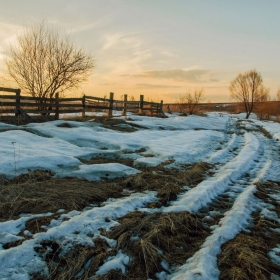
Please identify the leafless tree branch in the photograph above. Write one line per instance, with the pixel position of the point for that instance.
(248, 88)
(192, 99)
(44, 62)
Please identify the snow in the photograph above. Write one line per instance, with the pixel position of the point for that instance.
(203, 265)
(88, 222)
(117, 262)
(241, 159)
(59, 149)
(271, 127)
(95, 172)
(209, 189)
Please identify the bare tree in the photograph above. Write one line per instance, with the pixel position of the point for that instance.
(248, 88)
(278, 95)
(44, 62)
(191, 100)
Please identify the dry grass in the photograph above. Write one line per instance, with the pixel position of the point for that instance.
(149, 239)
(172, 237)
(69, 265)
(108, 122)
(263, 192)
(246, 256)
(167, 182)
(265, 132)
(102, 160)
(37, 192)
(239, 125)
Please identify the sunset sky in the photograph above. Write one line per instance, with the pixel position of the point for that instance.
(160, 48)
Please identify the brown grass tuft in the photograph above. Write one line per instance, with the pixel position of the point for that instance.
(37, 194)
(246, 256)
(149, 239)
(167, 182)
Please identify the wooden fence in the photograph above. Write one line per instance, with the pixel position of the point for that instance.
(15, 103)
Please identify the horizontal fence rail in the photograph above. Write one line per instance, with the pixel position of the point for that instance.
(15, 103)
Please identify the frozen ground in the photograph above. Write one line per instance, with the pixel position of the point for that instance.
(242, 155)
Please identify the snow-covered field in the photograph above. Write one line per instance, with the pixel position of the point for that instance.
(240, 153)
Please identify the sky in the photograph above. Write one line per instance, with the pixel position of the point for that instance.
(161, 49)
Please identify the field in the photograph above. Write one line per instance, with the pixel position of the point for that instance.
(137, 197)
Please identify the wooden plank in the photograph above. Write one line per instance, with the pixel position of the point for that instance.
(8, 104)
(97, 104)
(97, 98)
(56, 110)
(70, 99)
(124, 105)
(68, 105)
(132, 102)
(7, 111)
(26, 104)
(70, 111)
(96, 107)
(118, 108)
(23, 112)
(36, 98)
(132, 107)
(8, 97)
(39, 111)
(110, 111)
(8, 89)
(151, 103)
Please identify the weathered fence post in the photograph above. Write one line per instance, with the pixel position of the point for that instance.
(124, 105)
(168, 109)
(160, 106)
(110, 113)
(84, 105)
(151, 109)
(141, 104)
(56, 106)
(17, 102)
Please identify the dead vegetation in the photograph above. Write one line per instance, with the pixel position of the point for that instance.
(265, 132)
(167, 182)
(246, 256)
(146, 239)
(38, 192)
(102, 160)
(109, 122)
(151, 239)
(261, 129)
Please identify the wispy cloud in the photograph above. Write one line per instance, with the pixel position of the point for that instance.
(195, 75)
(122, 52)
(7, 36)
(85, 27)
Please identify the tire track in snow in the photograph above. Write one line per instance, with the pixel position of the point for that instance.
(203, 264)
(209, 189)
(226, 154)
(233, 145)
